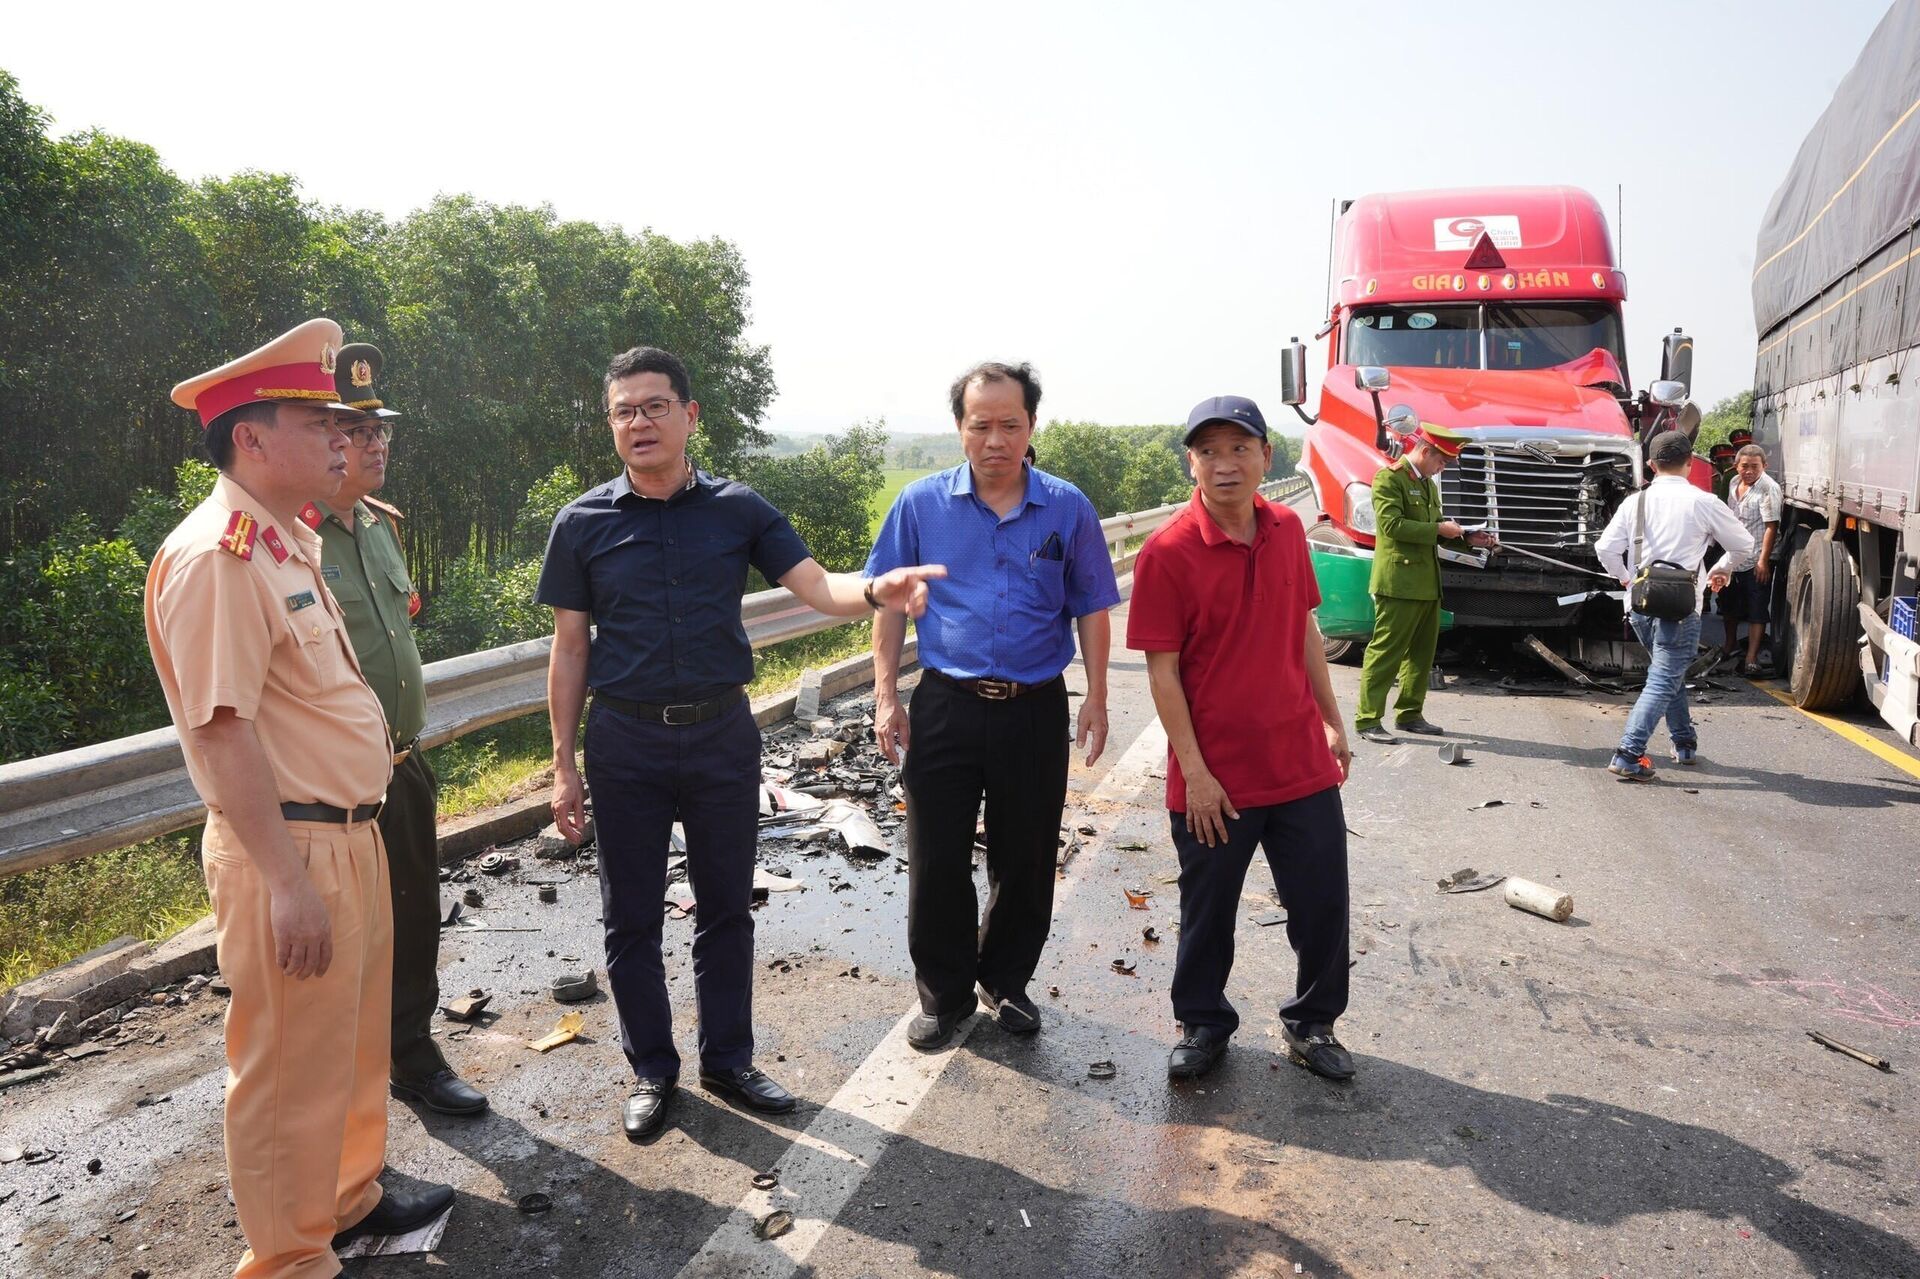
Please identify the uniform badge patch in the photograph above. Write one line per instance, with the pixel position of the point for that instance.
(237, 541)
(303, 600)
(271, 536)
(330, 571)
(367, 519)
(310, 516)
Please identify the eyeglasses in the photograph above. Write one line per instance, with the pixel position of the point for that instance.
(364, 436)
(652, 410)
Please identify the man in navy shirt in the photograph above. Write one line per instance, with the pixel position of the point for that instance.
(1027, 562)
(655, 562)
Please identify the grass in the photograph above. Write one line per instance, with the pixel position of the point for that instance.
(897, 479)
(154, 889)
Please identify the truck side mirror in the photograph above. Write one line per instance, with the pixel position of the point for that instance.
(1667, 393)
(1676, 360)
(1402, 420)
(1293, 373)
(1372, 378)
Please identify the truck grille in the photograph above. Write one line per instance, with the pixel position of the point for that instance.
(1557, 506)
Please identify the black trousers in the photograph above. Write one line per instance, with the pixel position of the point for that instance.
(408, 826)
(644, 777)
(1013, 754)
(1306, 845)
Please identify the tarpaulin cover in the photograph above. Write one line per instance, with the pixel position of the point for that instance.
(1854, 186)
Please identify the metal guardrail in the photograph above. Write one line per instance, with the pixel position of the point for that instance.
(59, 808)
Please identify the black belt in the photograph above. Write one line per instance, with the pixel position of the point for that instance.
(329, 814)
(679, 715)
(994, 690)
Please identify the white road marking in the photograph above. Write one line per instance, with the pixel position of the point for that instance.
(827, 1162)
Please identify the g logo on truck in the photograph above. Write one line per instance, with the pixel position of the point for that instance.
(1466, 228)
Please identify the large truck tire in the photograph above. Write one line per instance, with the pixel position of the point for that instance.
(1822, 624)
(1348, 651)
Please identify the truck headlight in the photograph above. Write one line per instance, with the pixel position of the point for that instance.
(1360, 507)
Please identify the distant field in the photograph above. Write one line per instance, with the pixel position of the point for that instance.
(897, 479)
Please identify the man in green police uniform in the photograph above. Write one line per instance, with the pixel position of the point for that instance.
(362, 563)
(1409, 526)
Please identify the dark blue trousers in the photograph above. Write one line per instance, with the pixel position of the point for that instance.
(643, 778)
(1306, 845)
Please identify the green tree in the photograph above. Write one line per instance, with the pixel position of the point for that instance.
(828, 491)
(1732, 412)
(1156, 475)
(1091, 457)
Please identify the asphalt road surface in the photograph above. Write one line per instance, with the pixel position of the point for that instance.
(1631, 1092)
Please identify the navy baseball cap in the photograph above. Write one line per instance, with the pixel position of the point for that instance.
(1237, 409)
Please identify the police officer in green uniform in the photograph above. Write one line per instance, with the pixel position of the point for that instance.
(1408, 527)
(365, 569)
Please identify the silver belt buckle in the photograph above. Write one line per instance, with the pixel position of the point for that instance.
(669, 715)
(994, 690)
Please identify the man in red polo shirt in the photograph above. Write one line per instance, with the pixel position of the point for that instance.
(1223, 600)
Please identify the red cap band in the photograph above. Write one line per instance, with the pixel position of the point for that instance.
(304, 381)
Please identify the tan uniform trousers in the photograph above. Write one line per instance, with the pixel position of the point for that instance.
(306, 1130)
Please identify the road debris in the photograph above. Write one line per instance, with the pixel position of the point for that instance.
(1053, 991)
(1268, 918)
(26, 1076)
(1533, 645)
(535, 1203)
(1538, 899)
(1137, 898)
(468, 1006)
(572, 988)
(1453, 753)
(773, 1225)
(473, 898)
(1101, 1070)
(1026, 1220)
(564, 1031)
(1468, 880)
(1150, 934)
(765, 1180)
(1131, 846)
(1486, 803)
(1865, 1058)
(549, 894)
(1124, 967)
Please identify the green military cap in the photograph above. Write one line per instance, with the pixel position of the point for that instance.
(1445, 439)
(355, 368)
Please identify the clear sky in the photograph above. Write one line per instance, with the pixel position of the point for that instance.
(1133, 196)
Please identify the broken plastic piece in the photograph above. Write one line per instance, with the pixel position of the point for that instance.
(1101, 1070)
(1137, 897)
(571, 988)
(564, 1031)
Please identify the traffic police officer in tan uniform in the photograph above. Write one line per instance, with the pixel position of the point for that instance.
(1409, 527)
(366, 570)
(289, 749)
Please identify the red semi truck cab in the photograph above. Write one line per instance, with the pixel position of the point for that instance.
(1496, 312)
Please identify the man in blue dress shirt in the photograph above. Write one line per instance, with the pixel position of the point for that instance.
(1026, 563)
(655, 563)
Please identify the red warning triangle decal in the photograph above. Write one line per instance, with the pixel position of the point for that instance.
(1484, 256)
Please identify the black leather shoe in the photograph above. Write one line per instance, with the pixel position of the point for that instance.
(1419, 725)
(646, 1110)
(1198, 1051)
(1378, 735)
(444, 1093)
(398, 1212)
(1014, 1014)
(750, 1088)
(1315, 1048)
(927, 1032)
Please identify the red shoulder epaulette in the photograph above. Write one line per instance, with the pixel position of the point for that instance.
(271, 536)
(237, 541)
(311, 517)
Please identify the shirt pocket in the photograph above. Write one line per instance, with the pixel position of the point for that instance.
(316, 664)
(1046, 584)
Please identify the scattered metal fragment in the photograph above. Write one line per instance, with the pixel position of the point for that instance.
(535, 1203)
(1137, 897)
(1533, 645)
(549, 894)
(1026, 1220)
(497, 863)
(11, 1154)
(41, 1156)
(1468, 880)
(473, 898)
(571, 988)
(1150, 933)
(1123, 966)
(1865, 1058)
(1054, 991)
(765, 1180)
(773, 1225)
(1267, 919)
(1084, 830)
(1453, 753)
(1486, 803)
(564, 1031)
(1131, 846)
(1101, 1070)
(467, 1006)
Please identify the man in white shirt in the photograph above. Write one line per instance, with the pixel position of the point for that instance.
(1755, 500)
(1681, 520)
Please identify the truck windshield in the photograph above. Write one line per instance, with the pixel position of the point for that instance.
(1530, 335)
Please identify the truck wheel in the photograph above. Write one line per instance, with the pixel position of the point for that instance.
(1337, 650)
(1823, 599)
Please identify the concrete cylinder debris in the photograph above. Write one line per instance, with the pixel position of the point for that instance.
(1538, 899)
